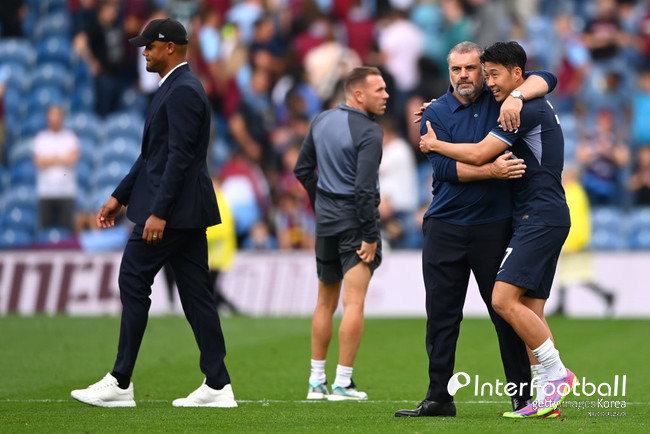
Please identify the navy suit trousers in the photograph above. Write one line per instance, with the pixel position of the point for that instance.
(449, 253)
(186, 252)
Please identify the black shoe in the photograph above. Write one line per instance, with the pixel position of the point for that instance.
(430, 408)
(518, 403)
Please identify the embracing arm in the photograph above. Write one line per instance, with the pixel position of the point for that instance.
(476, 154)
(536, 85)
(504, 167)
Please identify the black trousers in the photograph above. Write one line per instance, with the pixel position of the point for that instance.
(449, 253)
(186, 252)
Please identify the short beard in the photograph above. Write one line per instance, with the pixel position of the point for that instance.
(466, 93)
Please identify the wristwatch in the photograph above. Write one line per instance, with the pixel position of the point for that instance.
(517, 94)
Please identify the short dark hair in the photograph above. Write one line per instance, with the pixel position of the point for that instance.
(359, 74)
(464, 48)
(509, 54)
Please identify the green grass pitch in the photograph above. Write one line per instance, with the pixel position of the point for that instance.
(43, 358)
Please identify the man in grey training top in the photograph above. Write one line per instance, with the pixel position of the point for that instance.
(339, 166)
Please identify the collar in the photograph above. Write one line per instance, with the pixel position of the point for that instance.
(162, 80)
(455, 105)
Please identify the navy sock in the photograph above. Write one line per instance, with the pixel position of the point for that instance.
(214, 384)
(123, 381)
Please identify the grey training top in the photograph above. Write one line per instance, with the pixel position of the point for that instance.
(339, 166)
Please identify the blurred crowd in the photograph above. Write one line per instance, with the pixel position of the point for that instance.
(269, 67)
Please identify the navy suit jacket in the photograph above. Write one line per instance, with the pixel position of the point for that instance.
(170, 178)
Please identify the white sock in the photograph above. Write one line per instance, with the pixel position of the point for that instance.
(550, 358)
(317, 374)
(539, 378)
(343, 375)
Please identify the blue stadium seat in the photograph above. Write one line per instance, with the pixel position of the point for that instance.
(33, 123)
(54, 6)
(54, 235)
(14, 111)
(23, 173)
(640, 239)
(22, 195)
(134, 102)
(84, 201)
(87, 150)
(606, 216)
(124, 124)
(55, 49)
(42, 97)
(121, 149)
(99, 195)
(608, 229)
(20, 218)
(55, 23)
(51, 75)
(639, 221)
(86, 125)
(83, 99)
(640, 217)
(17, 50)
(15, 76)
(11, 238)
(21, 151)
(84, 173)
(110, 175)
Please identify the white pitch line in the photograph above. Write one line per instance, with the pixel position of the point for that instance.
(281, 401)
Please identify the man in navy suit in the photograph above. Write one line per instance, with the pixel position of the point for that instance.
(171, 200)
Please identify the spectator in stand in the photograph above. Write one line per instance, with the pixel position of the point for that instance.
(643, 34)
(603, 157)
(244, 13)
(254, 120)
(293, 218)
(260, 237)
(640, 107)
(397, 175)
(458, 26)
(84, 14)
(492, 18)
(101, 45)
(359, 27)
(570, 61)
(56, 153)
(401, 43)
(12, 14)
(267, 40)
(609, 74)
(327, 64)
(639, 183)
(427, 15)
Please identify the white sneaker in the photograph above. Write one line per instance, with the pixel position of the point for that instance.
(317, 391)
(105, 393)
(340, 393)
(206, 396)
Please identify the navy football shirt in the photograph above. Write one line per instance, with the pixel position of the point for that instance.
(538, 196)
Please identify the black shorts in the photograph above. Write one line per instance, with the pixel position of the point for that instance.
(337, 254)
(531, 258)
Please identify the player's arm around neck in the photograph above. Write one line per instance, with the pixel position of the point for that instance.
(533, 87)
